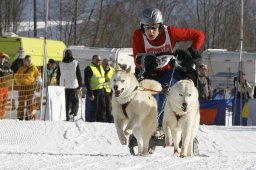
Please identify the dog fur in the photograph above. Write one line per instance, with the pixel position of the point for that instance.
(181, 117)
(141, 109)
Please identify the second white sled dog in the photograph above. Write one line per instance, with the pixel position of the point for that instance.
(134, 108)
(181, 117)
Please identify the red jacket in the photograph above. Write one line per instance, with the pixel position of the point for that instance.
(176, 35)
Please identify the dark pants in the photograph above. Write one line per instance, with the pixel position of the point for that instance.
(98, 106)
(109, 117)
(164, 80)
(72, 102)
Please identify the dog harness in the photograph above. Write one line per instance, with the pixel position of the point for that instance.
(126, 104)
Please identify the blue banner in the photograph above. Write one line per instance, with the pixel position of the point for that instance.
(238, 109)
(212, 112)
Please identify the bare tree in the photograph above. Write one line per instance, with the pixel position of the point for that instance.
(35, 18)
(110, 23)
(60, 19)
(75, 21)
(10, 15)
(98, 23)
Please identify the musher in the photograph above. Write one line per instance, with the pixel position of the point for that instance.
(153, 37)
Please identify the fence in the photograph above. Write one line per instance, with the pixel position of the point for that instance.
(23, 102)
(18, 101)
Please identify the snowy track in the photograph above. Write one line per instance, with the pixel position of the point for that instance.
(81, 145)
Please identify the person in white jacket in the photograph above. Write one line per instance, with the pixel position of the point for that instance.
(69, 76)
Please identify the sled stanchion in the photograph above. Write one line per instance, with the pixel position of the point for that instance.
(154, 141)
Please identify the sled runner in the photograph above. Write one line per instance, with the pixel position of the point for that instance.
(157, 141)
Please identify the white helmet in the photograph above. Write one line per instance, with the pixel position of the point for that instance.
(151, 16)
(20, 54)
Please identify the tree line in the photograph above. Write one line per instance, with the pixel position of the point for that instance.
(110, 23)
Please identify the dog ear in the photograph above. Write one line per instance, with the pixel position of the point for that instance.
(128, 70)
(118, 68)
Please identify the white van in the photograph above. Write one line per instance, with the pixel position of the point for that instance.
(223, 66)
(122, 56)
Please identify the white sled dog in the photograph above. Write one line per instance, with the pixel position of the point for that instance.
(134, 108)
(181, 117)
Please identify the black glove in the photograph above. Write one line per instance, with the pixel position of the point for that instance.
(184, 57)
(150, 60)
(181, 54)
(150, 63)
(172, 63)
(195, 54)
(138, 59)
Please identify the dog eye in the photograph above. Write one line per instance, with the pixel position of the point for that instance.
(189, 95)
(180, 95)
(122, 81)
(114, 80)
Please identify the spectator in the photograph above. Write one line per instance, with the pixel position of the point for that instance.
(4, 72)
(25, 79)
(69, 76)
(51, 72)
(18, 60)
(204, 83)
(4, 65)
(109, 71)
(153, 37)
(94, 78)
(242, 86)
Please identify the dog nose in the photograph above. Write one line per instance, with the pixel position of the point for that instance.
(115, 87)
(184, 104)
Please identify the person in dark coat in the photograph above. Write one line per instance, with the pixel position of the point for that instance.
(94, 79)
(18, 60)
(109, 72)
(204, 83)
(242, 86)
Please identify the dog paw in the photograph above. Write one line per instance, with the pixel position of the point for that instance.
(144, 154)
(176, 152)
(123, 140)
(128, 132)
(168, 143)
(183, 155)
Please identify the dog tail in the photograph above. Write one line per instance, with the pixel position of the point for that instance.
(151, 85)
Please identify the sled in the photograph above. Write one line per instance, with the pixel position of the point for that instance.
(157, 141)
(185, 65)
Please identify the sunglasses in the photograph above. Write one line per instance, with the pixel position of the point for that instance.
(151, 27)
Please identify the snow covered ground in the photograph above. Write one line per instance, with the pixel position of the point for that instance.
(83, 145)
